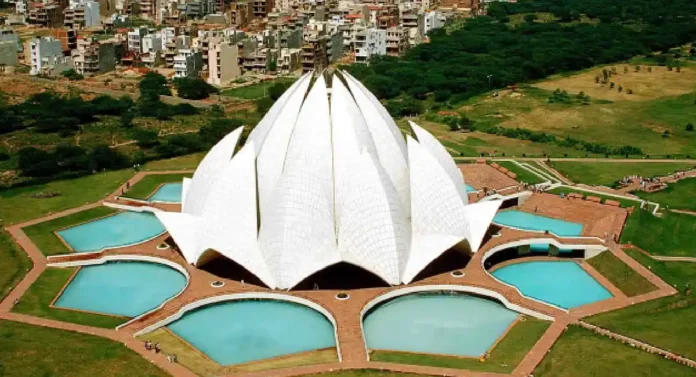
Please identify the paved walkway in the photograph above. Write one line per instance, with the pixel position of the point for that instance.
(347, 313)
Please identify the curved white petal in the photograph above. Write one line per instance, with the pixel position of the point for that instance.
(425, 249)
(478, 218)
(373, 230)
(185, 185)
(184, 229)
(433, 146)
(207, 171)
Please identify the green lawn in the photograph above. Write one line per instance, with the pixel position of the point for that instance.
(37, 300)
(680, 195)
(510, 351)
(43, 236)
(671, 235)
(33, 351)
(625, 203)
(255, 91)
(147, 186)
(523, 175)
(665, 322)
(15, 264)
(621, 275)
(582, 353)
(607, 173)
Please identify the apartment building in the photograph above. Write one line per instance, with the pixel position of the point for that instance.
(46, 57)
(83, 15)
(289, 61)
(67, 38)
(135, 38)
(261, 8)
(433, 20)
(240, 13)
(187, 63)
(92, 58)
(48, 16)
(397, 41)
(8, 53)
(367, 42)
(223, 66)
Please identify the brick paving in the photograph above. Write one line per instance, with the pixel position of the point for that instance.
(479, 176)
(596, 217)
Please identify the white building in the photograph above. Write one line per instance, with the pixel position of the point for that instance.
(168, 35)
(367, 42)
(21, 7)
(135, 38)
(151, 44)
(44, 52)
(329, 181)
(187, 63)
(433, 20)
(223, 65)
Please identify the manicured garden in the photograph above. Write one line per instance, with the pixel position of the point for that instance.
(43, 236)
(523, 175)
(665, 322)
(671, 235)
(42, 352)
(149, 184)
(582, 353)
(37, 301)
(15, 264)
(607, 173)
(621, 275)
(679, 195)
(503, 358)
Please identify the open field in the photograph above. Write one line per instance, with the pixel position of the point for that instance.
(43, 236)
(582, 353)
(200, 364)
(523, 175)
(623, 277)
(509, 351)
(15, 264)
(663, 322)
(147, 186)
(671, 235)
(255, 91)
(38, 299)
(607, 173)
(39, 351)
(680, 195)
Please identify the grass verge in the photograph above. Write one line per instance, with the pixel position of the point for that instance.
(523, 175)
(195, 361)
(665, 322)
(37, 300)
(606, 173)
(680, 195)
(580, 352)
(43, 236)
(255, 91)
(40, 351)
(625, 203)
(621, 275)
(367, 373)
(147, 186)
(15, 264)
(671, 235)
(509, 352)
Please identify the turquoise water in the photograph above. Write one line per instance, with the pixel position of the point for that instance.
(121, 229)
(456, 324)
(241, 331)
(469, 188)
(564, 284)
(167, 193)
(530, 221)
(122, 288)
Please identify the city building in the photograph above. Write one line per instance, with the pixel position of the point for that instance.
(48, 16)
(92, 58)
(223, 63)
(8, 53)
(261, 8)
(67, 38)
(187, 63)
(46, 56)
(83, 15)
(397, 41)
(135, 38)
(367, 42)
(433, 20)
(320, 202)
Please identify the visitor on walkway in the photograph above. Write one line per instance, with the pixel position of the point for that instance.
(174, 358)
(157, 348)
(148, 345)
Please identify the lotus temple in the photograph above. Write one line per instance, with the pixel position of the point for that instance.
(329, 237)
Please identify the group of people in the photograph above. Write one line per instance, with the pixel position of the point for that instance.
(171, 358)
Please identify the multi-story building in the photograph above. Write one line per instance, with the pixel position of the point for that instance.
(83, 15)
(433, 20)
(397, 41)
(48, 16)
(67, 38)
(8, 35)
(172, 49)
(289, 60)
(21, 6)
(46, 56)
(8, 53)
(367, 42)
(151, 44)
(223, 66)
(187, 63)
(135, 38)
(321, 46)
(240, 13)
(470, 6)
(199, 8)
(92, 58)
(261, 8)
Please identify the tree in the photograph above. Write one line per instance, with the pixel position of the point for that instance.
(103, 157)
(34, 162)
(529, 18)
(72, 75)
(689, 127)
(153, 85)
(218, 128)
(70, 158)
(418, 92)
(193, 88)
(126, 120)
(442, 95)
(276, 90)
(145, 138)
(263, 105)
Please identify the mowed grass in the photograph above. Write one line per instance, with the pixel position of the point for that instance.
(195, 361)
(367, 373)
(625, 203)
(509, 351)
(607, 173)
(18, 204)
(37, 301)
(523, 175)
(679, 195)
(582, 353)
(670, 235)
(621, 275)
(43, 236)
(15, 264)
(149, 184)
(257, 90)
(667, 322)
(33, 351)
